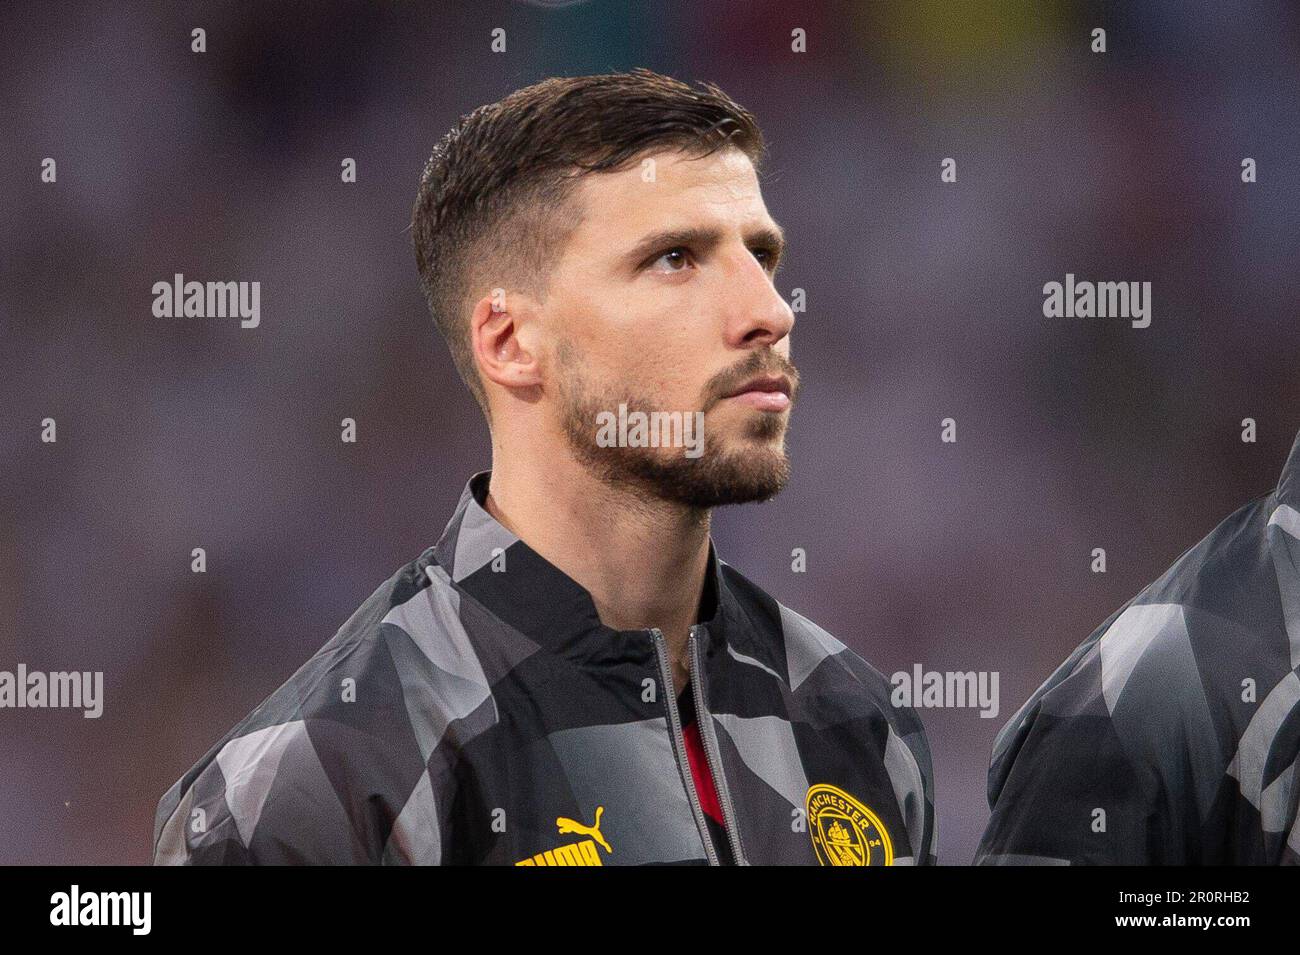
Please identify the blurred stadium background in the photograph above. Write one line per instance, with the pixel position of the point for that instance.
(924, 301)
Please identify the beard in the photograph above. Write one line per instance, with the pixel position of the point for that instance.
(716, 477)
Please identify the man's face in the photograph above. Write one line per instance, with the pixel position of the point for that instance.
(663, 301)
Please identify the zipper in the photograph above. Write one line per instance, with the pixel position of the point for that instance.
(712, 754)
(679, 744)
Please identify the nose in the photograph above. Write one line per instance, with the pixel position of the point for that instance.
(758, 314)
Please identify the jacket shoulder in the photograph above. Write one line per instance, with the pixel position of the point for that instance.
(1149, 710)
(1161, 667)
(331, 766)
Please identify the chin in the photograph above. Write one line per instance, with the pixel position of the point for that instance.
(735, 476)
(740, 459)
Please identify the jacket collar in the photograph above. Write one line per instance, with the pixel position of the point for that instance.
(518, 586)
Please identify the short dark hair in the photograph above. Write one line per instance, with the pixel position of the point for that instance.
(493, 194)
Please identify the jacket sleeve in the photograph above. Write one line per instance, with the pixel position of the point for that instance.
(908, 757)
(1065, 793)
(1115, 759)
(261, 798)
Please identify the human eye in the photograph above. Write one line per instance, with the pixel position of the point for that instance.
(767, 256)
(676, 259)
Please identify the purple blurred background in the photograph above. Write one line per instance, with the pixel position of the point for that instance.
(924, 302)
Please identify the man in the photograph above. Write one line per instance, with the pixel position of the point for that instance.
(1171, 735)
(571, 675)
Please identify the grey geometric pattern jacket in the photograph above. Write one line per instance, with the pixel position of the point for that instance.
(1171, 736)
(475, 711)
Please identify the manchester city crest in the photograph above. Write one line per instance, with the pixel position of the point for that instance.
(844, 831)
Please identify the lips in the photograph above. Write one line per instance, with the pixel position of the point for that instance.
(766, 393)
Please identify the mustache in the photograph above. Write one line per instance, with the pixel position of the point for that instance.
(758, 363)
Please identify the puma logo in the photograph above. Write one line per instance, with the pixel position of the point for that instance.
(583, 852)
(567, 825)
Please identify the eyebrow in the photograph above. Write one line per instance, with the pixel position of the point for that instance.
(703, 239)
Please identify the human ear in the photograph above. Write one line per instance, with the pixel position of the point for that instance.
(503, 338)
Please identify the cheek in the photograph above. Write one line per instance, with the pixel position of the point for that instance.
(654, 344)
(649, 372)
(649, 369)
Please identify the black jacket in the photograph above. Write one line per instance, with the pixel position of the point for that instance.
(475, 710)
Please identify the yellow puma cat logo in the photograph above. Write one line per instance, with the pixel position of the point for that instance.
(574, 853)
(567, 825)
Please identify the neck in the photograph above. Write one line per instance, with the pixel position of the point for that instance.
(643, 560)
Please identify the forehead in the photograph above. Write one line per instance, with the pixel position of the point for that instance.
(670, 188)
